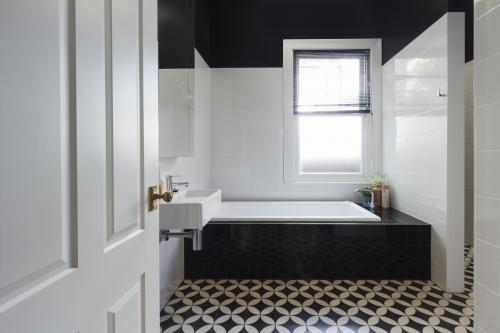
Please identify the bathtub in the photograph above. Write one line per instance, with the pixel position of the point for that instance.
(309, 240)
(293, 212)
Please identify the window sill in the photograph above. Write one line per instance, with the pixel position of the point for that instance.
(327, 182)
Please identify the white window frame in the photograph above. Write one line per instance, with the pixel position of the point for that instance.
(372, 138)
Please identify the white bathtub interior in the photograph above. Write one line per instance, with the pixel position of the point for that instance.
(293, 211)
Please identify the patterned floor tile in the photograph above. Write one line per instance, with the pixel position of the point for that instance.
(320, 306)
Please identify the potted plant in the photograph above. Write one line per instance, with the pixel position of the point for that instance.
(366, 195)
(378, 182)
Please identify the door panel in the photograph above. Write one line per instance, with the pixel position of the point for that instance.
(36, 131)
(126, 315)
(123, 81)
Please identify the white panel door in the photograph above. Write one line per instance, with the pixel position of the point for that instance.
(78, 149)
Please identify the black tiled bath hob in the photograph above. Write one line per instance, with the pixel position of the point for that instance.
(398, 247)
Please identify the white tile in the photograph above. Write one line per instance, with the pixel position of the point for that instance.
(456, 24)
(479, 329)
(487, 173)
(487, 83)
(247, 138)
(486, 308)
(455, 232)
(438, 242)
(436, 142)
(438, 274)
(421, 151)
(469, 215)
(171, 267)
(437, 186)
(486, 29)
(483, 6)
(487, 164)
(194, 169)
(434, 164)
(455, 279)
(487, 219)
(487, 266)
(487, 121)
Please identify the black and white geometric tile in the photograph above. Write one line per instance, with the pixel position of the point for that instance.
(317, 306)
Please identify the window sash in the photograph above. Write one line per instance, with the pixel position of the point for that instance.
(336, 140)
(359, 105)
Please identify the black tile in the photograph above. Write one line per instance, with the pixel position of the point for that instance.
(316, 305)
(297, 251)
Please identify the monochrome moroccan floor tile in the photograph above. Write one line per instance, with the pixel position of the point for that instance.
(317, 306)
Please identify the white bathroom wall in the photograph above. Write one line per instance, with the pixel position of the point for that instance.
(194, 169)
(175, 111)
(469, 154)
(247, 139)
(423, 140)
(487, 165)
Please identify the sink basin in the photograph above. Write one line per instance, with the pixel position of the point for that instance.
(189, 209)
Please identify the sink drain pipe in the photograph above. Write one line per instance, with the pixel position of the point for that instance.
(196, 235)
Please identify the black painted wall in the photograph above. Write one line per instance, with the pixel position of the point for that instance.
(469, 30)
(250, 33)
(202, 28)
(176, 33)
(403, 21)
(182, 26)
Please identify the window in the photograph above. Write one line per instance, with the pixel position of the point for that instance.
(330, 90)
(331, 81)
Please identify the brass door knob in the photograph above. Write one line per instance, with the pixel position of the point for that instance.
(155, 194)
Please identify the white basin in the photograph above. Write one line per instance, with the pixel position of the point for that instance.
(189, 209)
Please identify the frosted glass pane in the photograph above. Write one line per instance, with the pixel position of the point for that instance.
(330, 144)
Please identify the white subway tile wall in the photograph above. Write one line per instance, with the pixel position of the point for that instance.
(195, 169)
(487, 164)
(247, 139)
(469, 153)
(423, 139)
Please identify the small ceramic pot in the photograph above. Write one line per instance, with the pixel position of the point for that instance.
(378, 195)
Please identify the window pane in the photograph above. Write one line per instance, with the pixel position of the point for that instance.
(330, 144)
(331, 81)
